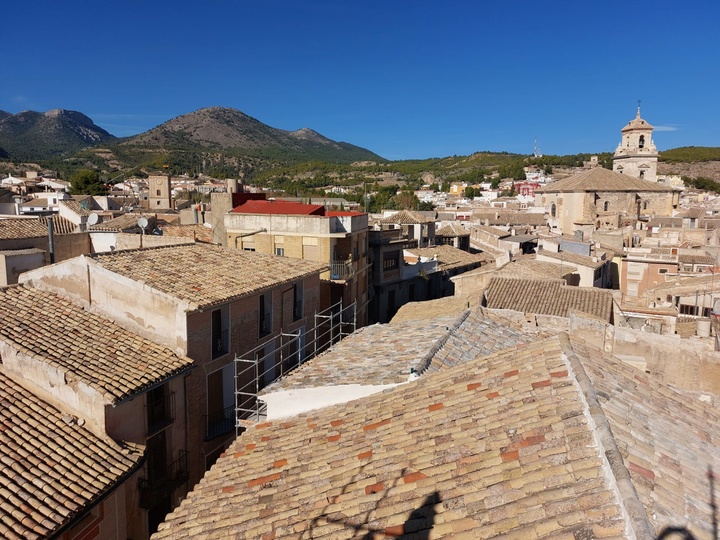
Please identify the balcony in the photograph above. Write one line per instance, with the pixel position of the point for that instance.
(219, 423)
(154, 491)
(342, 270)
(420, 268)
(160, 414)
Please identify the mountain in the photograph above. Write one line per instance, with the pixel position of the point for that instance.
(224, 129)
(31, 135)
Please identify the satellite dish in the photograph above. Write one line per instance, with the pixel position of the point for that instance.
(92, 219)
(142, 222)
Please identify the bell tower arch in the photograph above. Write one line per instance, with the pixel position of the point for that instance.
(636, 155)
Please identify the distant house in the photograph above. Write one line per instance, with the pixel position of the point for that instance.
(548, 297)
(310, 232)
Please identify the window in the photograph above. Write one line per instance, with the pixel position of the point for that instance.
(391, 260)
(280, 251)
(298, 301)
(157, 192)
(265, 314)
(606, 206)
(642, 142)
(220, 402)
(219, 334)
(553, 210)
(662, 271)
(646, 203)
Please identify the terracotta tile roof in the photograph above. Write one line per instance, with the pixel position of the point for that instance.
(371, 356)
(51, 467)
(33, 228)
(407, 217)
(510, 218)
(476, 336)
(577, 259)
(500, 445)
(76, 207)
(428, 310)
(534, 269)
(125, 222)
(279, 207)
(452, 229)
(548, 297)
(61, 225)
(199, 233)
(599, 179)
(692, 258)
(36, 201)
(450, 258)
(113, 361)
(227, 273)
(667, 439)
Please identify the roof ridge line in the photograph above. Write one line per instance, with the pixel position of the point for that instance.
(635, 512)
(428, 358)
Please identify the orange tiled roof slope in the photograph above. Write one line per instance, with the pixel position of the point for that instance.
(227, 273)
(534, 269)
(108, 358)
(548, 297)
(599, 179)
(14, 228)
(476, 336)
(407, 217)
(199, 233)
(667, 440)
(499, 445)
(51, 468)
(450, 258)
(372, 355)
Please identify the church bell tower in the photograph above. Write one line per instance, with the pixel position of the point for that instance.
(636, 155)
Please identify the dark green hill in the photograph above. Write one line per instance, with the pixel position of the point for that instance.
(30, 135)
(218, 129)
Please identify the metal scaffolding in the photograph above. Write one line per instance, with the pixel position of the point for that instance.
(282, 353)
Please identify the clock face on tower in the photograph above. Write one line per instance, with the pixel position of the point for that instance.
(159, 181)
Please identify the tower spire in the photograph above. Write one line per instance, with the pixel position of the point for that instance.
(638, 112)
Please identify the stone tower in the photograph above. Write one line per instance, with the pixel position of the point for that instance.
(636, 155)
(159, 193)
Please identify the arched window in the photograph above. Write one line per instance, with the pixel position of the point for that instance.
(642, 175)
(642, 141)
(606, 206)
(553, 210)
(645, 205)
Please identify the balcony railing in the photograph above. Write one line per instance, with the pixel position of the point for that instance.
(154, 491)
(160, 414)
(341, 270)
(219, 423)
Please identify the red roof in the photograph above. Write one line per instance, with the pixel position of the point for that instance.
(280, 207)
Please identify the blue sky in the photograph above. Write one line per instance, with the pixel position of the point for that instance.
(405, 79)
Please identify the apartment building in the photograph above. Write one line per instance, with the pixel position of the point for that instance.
(209, 304)
(295, 230)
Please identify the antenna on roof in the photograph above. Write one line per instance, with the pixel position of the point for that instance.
(92, 219)
(142, 223)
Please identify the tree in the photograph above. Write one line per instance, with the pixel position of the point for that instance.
(87, 182)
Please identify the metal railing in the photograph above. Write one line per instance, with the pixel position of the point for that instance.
(341, 270)
(154, 491)
(279, 355)
(219, 423)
